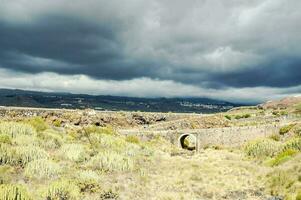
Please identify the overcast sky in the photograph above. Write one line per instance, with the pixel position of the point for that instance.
(236, 50)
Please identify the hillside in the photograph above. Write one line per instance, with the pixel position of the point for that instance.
(113, 103)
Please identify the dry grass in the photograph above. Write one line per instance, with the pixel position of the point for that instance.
(98, 163)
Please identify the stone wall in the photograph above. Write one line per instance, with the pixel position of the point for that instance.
(230, 136)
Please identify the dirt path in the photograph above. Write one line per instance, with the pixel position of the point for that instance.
(212, 174)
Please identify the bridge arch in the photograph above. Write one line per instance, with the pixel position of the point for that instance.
(187, 141)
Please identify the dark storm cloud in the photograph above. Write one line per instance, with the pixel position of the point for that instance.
(211, 44)
(70, 47)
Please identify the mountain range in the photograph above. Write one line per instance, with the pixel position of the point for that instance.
(23, 98)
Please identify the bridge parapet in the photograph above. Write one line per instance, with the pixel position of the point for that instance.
(229, 136)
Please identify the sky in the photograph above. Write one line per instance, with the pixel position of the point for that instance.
(236, 50)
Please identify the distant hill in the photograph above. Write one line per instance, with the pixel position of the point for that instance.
(282, 103)
(23, 98)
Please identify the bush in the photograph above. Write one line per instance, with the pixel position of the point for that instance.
(13, 128)
(88, 181)
(275, 137)
(242, 116)
(297, 131)
(298, 197)
(132, 139)
(228, 117)
(109, 142)
(57, 123)
(38, 123)
(74, 152)
(6, 173)
(285, 129)
(111, 161)
(294, 143)
(25, 140)
(263, 148)
(283, 157)
(51, 139)
(110, 194)
(13, 192)
(42, 169)
(100, 130)
(20, 155)
(279, 181)
(5, 139)
(62, 190)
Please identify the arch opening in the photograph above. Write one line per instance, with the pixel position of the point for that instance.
(188, 142)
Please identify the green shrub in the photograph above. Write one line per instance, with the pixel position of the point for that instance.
(279, 182)
(246, 116)
(285, 129)
(62, 190)
(13, 128)
(263, 148)
(42, 169)
(283, 157)
(242, 116)
(111, 142)
(6, 173)
(38, 123)
(5, 139)
(275, 137)
(13, 192)
(100, 130)
(25, 140)
(228, 117)
(132, 139)
(57, 123)
(50, 139)
(298, 197)
(20, 155)
(88, 181)
(110, 194)
(297, 131)
(74, 152)
(294, 143)
(283, 112)
(238, 117)
(111, 161)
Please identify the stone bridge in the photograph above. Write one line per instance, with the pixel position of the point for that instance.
(229, 136)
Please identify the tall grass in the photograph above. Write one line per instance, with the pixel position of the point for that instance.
(14, 192)
(20, 155)
(62, 190)
(263, 148)
(111, 161)
(13, 129)
(42, 169)
(74, 152)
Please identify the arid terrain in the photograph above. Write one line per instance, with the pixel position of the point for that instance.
(250, 153)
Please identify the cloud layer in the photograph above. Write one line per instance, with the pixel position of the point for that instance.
(195, 46)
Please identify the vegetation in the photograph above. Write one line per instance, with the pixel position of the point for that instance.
(62, 189)
(244, 116)
(13, 192)
(286, 129)
(283, 157)
(263, 148)
(41, 161)
(228, 117)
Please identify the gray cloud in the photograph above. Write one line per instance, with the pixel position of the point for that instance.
(207, 44)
